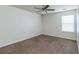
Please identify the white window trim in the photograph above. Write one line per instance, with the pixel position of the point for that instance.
(66, 23)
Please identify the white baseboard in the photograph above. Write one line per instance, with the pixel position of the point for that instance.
(60, 37)
(12, 42)
(16, 41)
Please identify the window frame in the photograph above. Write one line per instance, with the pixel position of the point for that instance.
(66, 23)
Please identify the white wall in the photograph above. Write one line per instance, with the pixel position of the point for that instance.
(17, 25)
(52, 25)
(78, 28)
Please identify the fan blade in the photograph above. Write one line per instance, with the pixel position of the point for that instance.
(36, 8)
(50, 9)
(37, 11)
(44, 8)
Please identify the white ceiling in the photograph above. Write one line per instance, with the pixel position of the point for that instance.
(58, 8)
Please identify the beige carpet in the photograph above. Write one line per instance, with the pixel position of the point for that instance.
(42, 44)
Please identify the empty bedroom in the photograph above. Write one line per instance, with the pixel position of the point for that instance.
(39, 29)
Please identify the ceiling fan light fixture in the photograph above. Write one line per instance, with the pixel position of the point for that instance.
(44, 9)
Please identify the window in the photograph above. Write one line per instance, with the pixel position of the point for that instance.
(68, 23)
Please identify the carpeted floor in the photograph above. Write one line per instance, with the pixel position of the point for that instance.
(42, 44)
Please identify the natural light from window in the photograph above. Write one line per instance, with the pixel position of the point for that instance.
(68, 23)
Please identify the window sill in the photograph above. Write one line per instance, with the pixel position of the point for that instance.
(67, 32)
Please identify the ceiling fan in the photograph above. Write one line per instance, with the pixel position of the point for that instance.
(44, 9)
